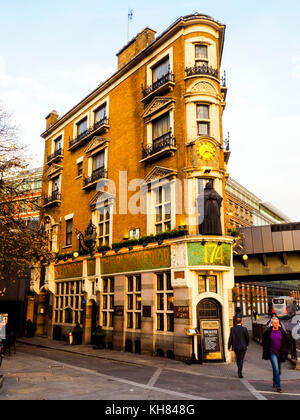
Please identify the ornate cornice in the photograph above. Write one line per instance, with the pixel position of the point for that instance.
(158, 103)
(158, 173)
(96, 142)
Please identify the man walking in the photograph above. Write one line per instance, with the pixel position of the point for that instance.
(239, 341)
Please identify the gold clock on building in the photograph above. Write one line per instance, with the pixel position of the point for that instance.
(206, 151)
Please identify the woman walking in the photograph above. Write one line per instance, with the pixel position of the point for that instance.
(275, 349)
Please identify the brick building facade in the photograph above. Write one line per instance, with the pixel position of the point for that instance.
(133, 158)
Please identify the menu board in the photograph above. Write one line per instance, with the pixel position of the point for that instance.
(211, 340)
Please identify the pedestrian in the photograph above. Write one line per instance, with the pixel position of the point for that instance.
(275, 348)
(270, 324)
(239, 341)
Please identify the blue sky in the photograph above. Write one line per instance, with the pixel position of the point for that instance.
(52, 54)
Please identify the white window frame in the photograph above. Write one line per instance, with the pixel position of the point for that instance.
(149, 127)
(104, 101)
(55, 139)
(109, 311)
(154, 62)
(204, 120)
(151, 204)
(78, 120)
(135, 294)
(96, 217)
(197, 59)
(163, 311)
(91, 156)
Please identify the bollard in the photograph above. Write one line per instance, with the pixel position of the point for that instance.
(70, 338)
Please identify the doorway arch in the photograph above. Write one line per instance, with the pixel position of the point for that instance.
(209, 320)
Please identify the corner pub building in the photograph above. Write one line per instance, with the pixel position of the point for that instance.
(158, 280)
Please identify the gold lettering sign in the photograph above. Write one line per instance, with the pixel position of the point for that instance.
(209, 253)
(68, 271)
(150, 259)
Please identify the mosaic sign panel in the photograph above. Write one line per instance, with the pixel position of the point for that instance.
(68, 271)
(209, 253)
(91, 267)
(150, 259)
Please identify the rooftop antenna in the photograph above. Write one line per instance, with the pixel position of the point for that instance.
(130, 18)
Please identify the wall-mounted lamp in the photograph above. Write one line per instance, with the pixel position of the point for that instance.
(75, 255)
(245, 257)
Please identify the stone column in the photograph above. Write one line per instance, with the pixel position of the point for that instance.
(87, 325)
(148, 315)
(41, 315)
(119, 315)
(30, 308)
(266, 300)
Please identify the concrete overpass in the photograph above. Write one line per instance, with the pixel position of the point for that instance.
(273, 253)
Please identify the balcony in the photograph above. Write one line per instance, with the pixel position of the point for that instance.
(202, 70)
(161, 146)
(83, 138)
(52, 200)
(55, 157)
(162, 85)
(91, 181)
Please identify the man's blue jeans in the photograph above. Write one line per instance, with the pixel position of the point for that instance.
(276, 365)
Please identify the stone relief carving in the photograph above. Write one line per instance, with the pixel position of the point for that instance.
(204, 87)
(35, 280)
(178, 255)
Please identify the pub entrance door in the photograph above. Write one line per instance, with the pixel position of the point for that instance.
(209, 314)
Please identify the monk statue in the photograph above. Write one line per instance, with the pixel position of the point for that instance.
(212, 211)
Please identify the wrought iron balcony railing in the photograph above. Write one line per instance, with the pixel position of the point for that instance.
(100, 123)
(83, 137)
(97, 174)
(169, 77)
(206, 70)
(56, 154)
(54, 197)
(165, 142)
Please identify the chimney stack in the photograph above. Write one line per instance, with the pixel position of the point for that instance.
(51, 119)
(135, 46)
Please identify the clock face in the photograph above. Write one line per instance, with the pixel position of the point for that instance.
(206, 151)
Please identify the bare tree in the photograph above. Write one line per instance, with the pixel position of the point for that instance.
(22, 243)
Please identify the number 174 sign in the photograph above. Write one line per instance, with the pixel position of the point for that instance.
(209, 253)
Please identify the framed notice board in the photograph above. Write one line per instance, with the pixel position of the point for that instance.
(212, 345)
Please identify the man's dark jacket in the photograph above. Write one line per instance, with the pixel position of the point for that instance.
(266, 342)
(239, 338)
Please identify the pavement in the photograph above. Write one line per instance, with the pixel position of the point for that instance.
(47, 369)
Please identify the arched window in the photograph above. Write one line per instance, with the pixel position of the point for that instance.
(208, 309)
(68, 316)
